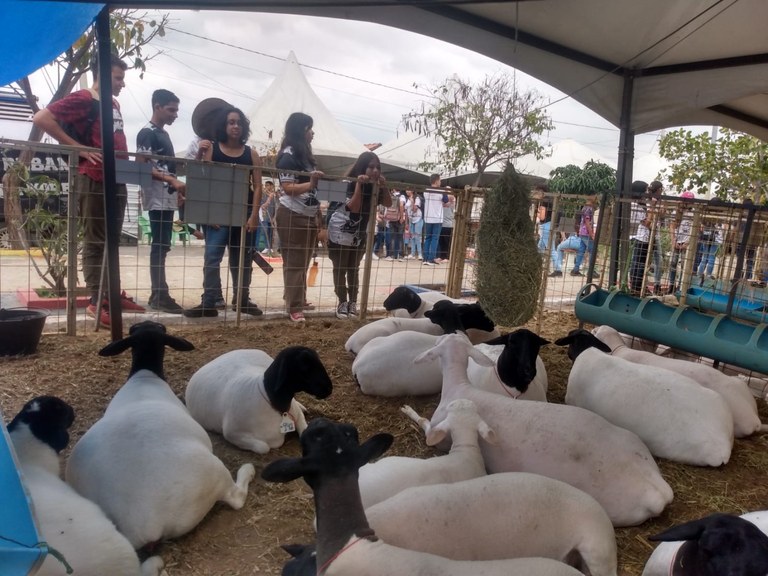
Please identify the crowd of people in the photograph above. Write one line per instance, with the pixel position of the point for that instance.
(659, 238)
(288, 217)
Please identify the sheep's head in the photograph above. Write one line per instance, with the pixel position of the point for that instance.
(297, 369)
(48, 418)
(402, 297)
(517, 362)
(579, 340)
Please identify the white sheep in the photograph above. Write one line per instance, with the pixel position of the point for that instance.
(734, 391)
(388, 476)
(472, 319)
(249, 398)
(506, 515)
(404, 302)
(562, 442)
(384, 366)
(346, 546)
(718, 544)
(675, 417)
(72, 525)
(146, 462)
(519, 371)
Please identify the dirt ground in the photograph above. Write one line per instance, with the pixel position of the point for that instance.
(247, 541)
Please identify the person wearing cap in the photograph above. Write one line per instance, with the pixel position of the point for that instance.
(232, 130)
(681, 236)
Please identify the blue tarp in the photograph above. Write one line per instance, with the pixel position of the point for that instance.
(33, 34)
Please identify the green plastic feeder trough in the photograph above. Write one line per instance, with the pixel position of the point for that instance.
(714, 336)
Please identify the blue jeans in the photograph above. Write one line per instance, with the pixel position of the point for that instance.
(415, 228)
(587, 245)
(708, 251)
(379, 241)
(543, 244)
(573, 242)
(263, 231)
(431, 238)
(216, 240)
(161, 226)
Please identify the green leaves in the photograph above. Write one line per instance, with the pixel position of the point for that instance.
(478, 125)
(736, 164)
(593, 178)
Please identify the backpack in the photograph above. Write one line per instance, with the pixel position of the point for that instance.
(392, 214)
(83, 138)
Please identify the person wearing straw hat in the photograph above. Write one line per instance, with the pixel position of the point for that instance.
(231, 131)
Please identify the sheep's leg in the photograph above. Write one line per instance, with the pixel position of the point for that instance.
(153, 566)
(247, 442)
(238, 492)
(420, 421)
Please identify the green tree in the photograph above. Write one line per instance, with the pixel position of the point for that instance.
(593, 178)
(735, 163)
(130, 32)
(478, 125)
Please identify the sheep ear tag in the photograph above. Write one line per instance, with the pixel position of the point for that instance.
(287, 424)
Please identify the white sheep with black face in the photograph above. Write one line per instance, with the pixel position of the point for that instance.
(718, 545)
(74, 526)
(346, 546)
(149, 446)
(249, 397)
(404, 302)
(567, 443)
(676, 418)
(732, 389)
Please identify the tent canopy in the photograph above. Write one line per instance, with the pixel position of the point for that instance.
(640, 65)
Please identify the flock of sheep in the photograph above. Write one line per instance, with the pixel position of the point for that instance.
(526, 487)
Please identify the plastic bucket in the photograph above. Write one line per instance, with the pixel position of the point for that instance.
(20, 330)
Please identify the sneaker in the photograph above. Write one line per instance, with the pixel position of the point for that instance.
(308, 306)
(200, 311)
(266, 251)
(103, 314)
(352, 308)
(389, 258)
(167, 304)
(576, 273)
(128, 303)
(438, 260)
(374, 257)
(297, 317)
(426, 263)
(220, 304)
(421, 257)
(409, 257)
(556, 274)
(250, 308)
(342, 311)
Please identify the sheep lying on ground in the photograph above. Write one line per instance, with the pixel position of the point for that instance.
(496, 515)
(473, 320)
(388, 476)
(346, 546)
(74, 526)
(734, 390)
(718, 545)
(149, 446)
(403, 302)
(519, 370)
(562, 442)
(249, 398)
(675, 417)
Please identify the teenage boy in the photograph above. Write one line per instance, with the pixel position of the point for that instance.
(163, 196)
(79, 111)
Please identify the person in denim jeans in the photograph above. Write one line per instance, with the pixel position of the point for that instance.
(415, 223)
(434, 200)
(586, 234)
(232, 132)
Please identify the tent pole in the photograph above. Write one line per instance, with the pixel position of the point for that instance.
(623, 179)
(109, 167)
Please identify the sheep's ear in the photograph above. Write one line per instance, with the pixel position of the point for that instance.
(428, 356)
(487, 433)
(565, 340)
(498, 341)
(542, 341)
(294, 550)
(285, 470)
(375, 446)
(688, 531)
(180, 344)
(479, 357)
(118, 347)
(437, 434)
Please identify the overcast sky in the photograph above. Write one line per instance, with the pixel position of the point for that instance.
(364, 73)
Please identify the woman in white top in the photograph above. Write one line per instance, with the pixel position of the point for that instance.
(415, 223)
